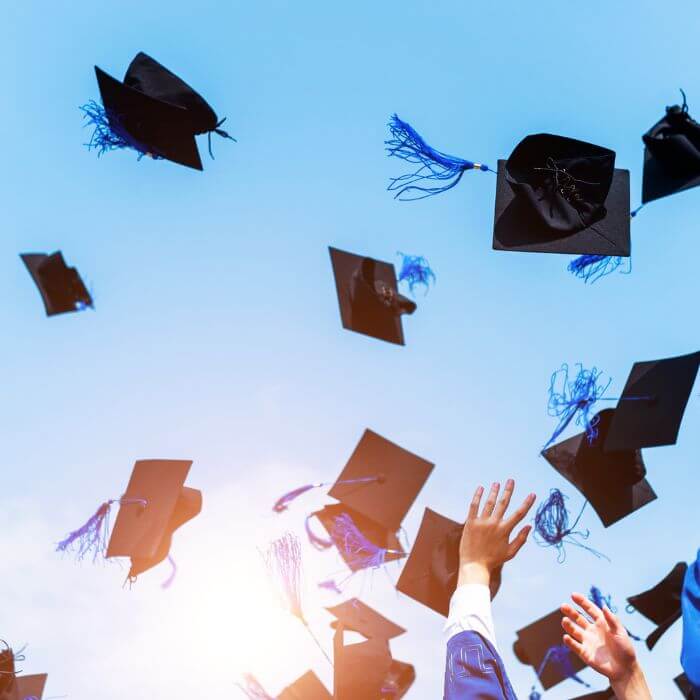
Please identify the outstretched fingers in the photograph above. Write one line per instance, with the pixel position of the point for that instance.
(519, 514)
(491, 500)
(504, 502)
(575, 646)
(474, 505)
(613, 622)
(588, 606)
(570, 612)
(519, 540)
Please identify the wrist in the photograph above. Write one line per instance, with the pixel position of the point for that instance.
(632, 683)
(473, 572)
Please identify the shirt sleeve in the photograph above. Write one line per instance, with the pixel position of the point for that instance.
(470, 611)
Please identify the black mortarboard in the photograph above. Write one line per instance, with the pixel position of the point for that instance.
(30, 687)
(614, 483)
(559, 195)
(652, 403)
(540, 644)
(671, 154)
(430, 574)
(683, 684)
(361, 670)
(608, 694)
(308, 687)
(399, 476)
(399, 680)
(156, 503)
(374, 533)
(662, 603)
(60, 286)
(157, 112)
(356, 616)
(368, 296)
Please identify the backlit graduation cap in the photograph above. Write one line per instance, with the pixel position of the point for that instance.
(613, 483)
(60, 286)
(671, 154)
(152, 111)
(541, 646)
(366, 671)
(7, 672)
(369, 300)
(30, 687)
(662, 603)
(356, 616)
(156, 503)
(308, 687)
(683, 684)
(430, 574)
(652, 404)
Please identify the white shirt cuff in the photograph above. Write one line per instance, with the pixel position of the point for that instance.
(470, 611)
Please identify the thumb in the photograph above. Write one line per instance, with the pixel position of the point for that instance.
(520, 539)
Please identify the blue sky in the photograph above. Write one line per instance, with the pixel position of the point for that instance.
(216, 334)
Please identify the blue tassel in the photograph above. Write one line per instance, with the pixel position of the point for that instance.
(569, 399)
(108, 135)
(283, 562)
(559, 656)
(597, 598)
(317, 542)
(552, 526)
(406, 143)
(283, 501)
(169, 581)
(534, 695)
(359, 552)
(415, 270)
(220, 132)
(90, 538)
(590, 268)
(252, 688)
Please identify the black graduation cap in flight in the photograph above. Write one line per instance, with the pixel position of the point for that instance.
(368, 295)
(559, 195)
(683, 684)
(541, 646)
(153, 111)
(662, 603)
(356, 616)
(7, 672)
(613, 483)
(308, 687)
(671, 154)
(652, 404)
(30, 687)
(60, 286)
(144, 532)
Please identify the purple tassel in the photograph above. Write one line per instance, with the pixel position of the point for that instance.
(91, 537)
(330, 585)
(359, 552)
(283, 562)
(534, 695)
(282, 502)
(253, 689)
(318, 542)
(169, 581)
(559, 656)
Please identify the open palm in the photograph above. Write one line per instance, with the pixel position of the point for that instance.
(601, 642)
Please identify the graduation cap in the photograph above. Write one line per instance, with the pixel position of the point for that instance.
(540, 645)
(560, 195)
(368, 671)
(152, 111)
(7, 672)
(662, 603)
(356, 616)
(652, 404)
(430, 574)
(368, 295)
(308, 687)
(155, 504)
(613, 483)
(30, 687)
(60, 286)
(683, 684)
(671, 154)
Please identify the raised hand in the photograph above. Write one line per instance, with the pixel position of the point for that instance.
(486, 545)
(602, 642)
